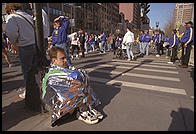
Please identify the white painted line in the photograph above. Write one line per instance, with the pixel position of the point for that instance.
(142, 65)
(138, 68)
(135, 75)
(145, 62)
(139, 85)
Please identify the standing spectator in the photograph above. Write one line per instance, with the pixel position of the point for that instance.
(81, 36)
(21, 33)
(117, 44)
(145, 44)
(59, 37)
(103, 42)
(109, 42)
(86, 43)
(162, 42)
(75, 46)
(187, 41)
(141, 36)
(92, 42)
(128, 41)
(156, 40)
(173, 43)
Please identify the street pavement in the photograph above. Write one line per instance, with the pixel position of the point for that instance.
(143, 95)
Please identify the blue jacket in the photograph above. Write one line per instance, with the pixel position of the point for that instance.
(92, 40)
(188, 36)
(103, 37)
(174, 40)
(141, 37)
(59, 35)
(156, 38)
(146, 38)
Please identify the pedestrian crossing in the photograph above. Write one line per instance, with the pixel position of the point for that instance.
(144, 69)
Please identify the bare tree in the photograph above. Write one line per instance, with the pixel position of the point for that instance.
(169, 26)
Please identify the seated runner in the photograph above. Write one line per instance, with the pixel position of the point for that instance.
(65, 90)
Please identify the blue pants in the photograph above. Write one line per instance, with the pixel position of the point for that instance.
(26, 55)
(65, 47)
(145, 48)
(102, 47)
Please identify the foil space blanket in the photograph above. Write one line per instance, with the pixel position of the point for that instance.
(63, 90)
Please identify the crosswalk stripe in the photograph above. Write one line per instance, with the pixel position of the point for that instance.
(129, 63)
(134, 74)
(139, 68)
(139, 85)
(154, 63)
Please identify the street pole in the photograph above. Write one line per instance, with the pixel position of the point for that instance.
(39, 28)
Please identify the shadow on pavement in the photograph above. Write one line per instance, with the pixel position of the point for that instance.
(8, 86)
(14, 114)
(182, 120)
(192, 74)
(105, 93)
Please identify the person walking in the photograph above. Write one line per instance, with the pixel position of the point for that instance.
(128, 41)
(187, 41)
(145, 44)
(173, 44)
(103, 42)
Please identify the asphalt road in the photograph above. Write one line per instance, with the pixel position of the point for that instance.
(143, 95)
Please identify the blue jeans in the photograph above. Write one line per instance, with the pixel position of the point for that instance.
(26, 55)
(129, 48)
(145, 47)
(65, 47)
(93, 46)
(102, 47)
(140, 47)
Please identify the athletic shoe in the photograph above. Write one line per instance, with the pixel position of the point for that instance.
(22, 95)
(88, 118)
(10, 65)
(96, 113)
(170, 62)
(128, 59)
(157, 55)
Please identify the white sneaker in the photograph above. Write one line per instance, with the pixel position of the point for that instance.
(157, 55)
(170, 62)
(22, 95)
(77, 56)
(10, 65)
(96, 113)
(85, 53)
(88, 118)
(128, 59)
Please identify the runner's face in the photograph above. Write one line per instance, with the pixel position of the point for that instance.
(60, 60)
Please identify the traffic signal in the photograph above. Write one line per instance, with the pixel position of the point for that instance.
(146, 8)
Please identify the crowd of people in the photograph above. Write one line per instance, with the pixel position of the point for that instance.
(76, 45)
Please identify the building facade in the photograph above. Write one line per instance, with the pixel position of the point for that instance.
(92, 17)
(131, 13)
(184, 12)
